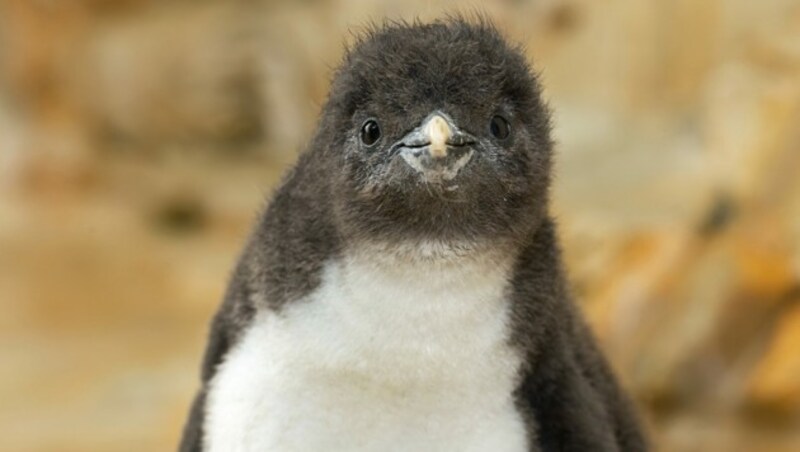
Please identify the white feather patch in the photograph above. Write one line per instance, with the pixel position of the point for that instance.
(390, 353)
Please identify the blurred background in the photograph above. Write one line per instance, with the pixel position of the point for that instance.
(138, 139)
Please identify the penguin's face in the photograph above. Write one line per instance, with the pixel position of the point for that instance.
(440, 135)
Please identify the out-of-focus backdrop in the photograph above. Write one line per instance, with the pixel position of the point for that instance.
(138, 138)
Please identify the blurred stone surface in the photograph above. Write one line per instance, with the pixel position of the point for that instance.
(774, 385)
(139, 138)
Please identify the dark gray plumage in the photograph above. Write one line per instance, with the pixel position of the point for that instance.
(347, 190)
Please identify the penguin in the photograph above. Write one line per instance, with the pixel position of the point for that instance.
(404, 288)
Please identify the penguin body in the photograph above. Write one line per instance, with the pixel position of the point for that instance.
(403, 291)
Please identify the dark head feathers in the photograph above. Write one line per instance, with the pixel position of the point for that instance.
(453, 58)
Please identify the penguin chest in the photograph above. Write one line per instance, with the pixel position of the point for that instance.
(378, 358)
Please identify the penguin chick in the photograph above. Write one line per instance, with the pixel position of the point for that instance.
(404, 289)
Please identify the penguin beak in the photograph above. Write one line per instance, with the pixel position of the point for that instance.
(437, 148)
(438, 132)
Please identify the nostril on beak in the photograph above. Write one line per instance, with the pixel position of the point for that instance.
(439, 132)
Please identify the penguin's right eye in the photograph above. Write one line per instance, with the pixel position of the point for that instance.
(370, 132)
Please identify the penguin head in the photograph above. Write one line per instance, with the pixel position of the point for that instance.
(437, 132)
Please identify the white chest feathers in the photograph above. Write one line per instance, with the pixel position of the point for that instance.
(386, 355)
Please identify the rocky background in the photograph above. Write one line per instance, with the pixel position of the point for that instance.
(139, 137)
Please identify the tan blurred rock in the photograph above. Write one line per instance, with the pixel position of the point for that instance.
(174, 75)
(39, 41)
(775, 383)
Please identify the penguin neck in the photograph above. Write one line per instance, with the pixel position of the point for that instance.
(435, 254)
(402, 314)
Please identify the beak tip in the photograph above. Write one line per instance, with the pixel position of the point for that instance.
(438, 150)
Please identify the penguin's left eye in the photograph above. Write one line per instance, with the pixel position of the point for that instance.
(499, 127)
(370, 132)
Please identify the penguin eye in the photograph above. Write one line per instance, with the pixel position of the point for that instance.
(499, 127)
(370, 132)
